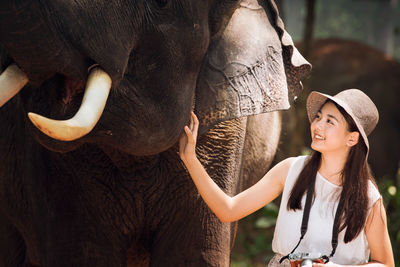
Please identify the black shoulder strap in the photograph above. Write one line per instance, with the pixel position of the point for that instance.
(304, 224)
(335, 229)
(306, 216)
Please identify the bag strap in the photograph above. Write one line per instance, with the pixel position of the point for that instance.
(306, 216)
(304, 224)
(335, 229)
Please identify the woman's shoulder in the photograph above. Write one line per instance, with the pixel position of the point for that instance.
(289, 162)
(285, 167)
(373, 193)
(292, 162)
(285, 164)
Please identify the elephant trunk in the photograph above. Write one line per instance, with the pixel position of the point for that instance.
(12, 80)
(94, 100)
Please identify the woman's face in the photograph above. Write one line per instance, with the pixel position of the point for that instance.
(329, 131)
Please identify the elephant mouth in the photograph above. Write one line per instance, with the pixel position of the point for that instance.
(97, 89)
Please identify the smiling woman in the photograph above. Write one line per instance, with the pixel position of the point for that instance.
(330, 195)
(331, 132)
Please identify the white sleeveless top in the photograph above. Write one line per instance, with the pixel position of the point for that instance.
(319, 232)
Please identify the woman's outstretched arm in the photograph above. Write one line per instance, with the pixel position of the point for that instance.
(229, 208)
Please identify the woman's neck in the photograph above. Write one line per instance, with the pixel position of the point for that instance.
(331, 167)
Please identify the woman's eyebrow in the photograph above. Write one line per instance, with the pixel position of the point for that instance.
(333, 117)
(329, 115)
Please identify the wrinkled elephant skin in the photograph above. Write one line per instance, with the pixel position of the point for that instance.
(116, 193)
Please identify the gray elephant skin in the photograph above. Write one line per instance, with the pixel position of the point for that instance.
(117, 193)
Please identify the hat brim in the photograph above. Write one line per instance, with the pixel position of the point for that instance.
(315, 100)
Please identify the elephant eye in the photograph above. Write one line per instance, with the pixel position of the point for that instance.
(161, 3)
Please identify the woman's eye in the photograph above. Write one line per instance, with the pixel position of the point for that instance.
(330, 121)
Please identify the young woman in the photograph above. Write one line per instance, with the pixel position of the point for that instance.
(344, 200)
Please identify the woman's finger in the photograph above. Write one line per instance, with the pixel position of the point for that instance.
(191, 122)
(196, 120)
(182, 142)
(196, 124)
(189, 135)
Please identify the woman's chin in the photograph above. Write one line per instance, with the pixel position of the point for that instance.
(316, 147)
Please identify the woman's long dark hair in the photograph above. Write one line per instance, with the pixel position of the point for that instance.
(355, 176)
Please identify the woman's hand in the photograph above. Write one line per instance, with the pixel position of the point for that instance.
(227, 208)
(330, 264)
(187, 141)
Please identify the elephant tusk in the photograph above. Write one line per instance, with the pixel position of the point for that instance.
(12, 80)
(94, 100)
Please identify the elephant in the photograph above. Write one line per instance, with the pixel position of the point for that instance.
(94, 96)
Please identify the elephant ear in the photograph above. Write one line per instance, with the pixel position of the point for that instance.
(252, 67)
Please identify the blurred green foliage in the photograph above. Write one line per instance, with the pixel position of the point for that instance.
(253, 245)
(391, 197)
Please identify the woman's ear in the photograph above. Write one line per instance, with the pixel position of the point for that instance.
(353, 138)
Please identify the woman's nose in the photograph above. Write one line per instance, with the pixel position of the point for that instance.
(318, 124)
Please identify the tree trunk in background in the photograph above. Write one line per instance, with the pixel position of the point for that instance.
(367, 9)
(298, 112)
(280, 4)
(386, 31)
(309, 27)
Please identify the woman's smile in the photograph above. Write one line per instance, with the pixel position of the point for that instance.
(329, 129)
(318, 137)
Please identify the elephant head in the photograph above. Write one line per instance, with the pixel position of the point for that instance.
(127, 73)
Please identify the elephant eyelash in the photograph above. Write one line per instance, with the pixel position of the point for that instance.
(162, 3)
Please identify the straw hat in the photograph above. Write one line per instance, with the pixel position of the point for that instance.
(355, 102)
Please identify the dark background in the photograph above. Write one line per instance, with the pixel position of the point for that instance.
(351, 44)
